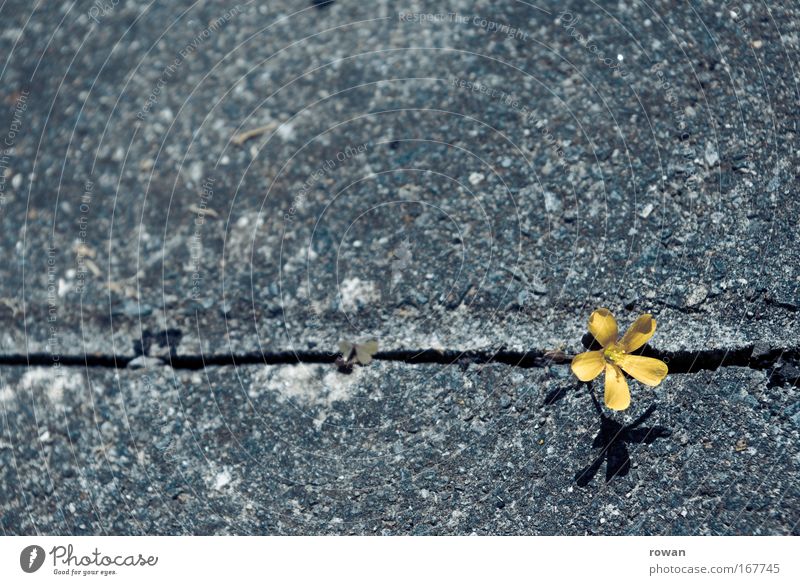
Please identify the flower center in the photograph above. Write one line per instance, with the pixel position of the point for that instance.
(613, 353)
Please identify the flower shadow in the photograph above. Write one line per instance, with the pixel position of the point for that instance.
(613, 439)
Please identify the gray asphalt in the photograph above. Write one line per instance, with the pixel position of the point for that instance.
(450, 176)
(391, 449)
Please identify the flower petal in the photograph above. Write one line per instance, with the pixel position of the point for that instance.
(647, 370)
(617, 395)
(587, 366)
(603, 326)
(639, 333)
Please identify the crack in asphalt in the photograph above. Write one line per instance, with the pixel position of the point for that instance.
(781, 364)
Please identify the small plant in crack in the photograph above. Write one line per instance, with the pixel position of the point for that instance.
(556, 356)
(353, 353)
(616, 355)
(162, 343)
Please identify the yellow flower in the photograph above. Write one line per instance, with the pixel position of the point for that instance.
(616, 354)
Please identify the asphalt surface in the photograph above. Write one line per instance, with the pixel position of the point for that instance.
(443, 177)
(392, 449)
